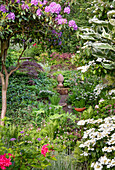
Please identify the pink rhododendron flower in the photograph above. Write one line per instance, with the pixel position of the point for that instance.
(52, 4)
(11, 15)
(3, 8)
(38, 12)
(34, 2)
(18, 1)
(73, 24)
(55, 9)
(24, 6)
(40, 2)
(62, 21)
(67, 10)
(58, 17)
(44, 150)
(47, 9)
(45, 2)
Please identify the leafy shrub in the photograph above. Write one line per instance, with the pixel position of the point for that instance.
(26, 147)
(98, 40)
(97, 143)
(83, 93)
(54, 99)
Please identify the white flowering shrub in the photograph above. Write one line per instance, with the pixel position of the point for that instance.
(98, 142)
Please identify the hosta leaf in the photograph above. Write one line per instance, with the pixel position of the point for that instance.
(85, 37)
(103, 46)
(109, 66)
(111, 13)
(98, 55)
(99, 22)
(112, 21)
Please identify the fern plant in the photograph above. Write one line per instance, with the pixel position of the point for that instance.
(54, 99)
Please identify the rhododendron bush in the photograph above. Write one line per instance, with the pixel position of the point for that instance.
(22, 21)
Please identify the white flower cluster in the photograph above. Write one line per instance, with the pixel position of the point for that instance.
(108, 149)
(104, 134)
(86, 67)
(102, 60)
(98, 89)
(83, 68)
(103, 160)
(112, 140)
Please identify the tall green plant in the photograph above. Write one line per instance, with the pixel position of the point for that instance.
(99, 39)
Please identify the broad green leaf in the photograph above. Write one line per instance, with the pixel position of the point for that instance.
(85, 37)
(112, 21)
(103, 46)
(99, 22)
(109, 66)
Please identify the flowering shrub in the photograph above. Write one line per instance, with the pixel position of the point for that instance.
(4, 161)
(26, 148)
(98, 141)
(44, 150)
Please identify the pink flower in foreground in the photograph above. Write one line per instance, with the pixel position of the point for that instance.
(34, 44)
(4, 162)
(44, 150)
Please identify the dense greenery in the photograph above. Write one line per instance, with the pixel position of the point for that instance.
(39, 133)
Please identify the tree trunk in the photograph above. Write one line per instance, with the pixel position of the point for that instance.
(5, 77)
(4, 98)
(4, 105)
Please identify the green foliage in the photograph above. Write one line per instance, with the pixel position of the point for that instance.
(88, 114)
(63, 161)
(82, 94)
(25, 145)
(77, 154)
(61, 128)
(99, 38)
(23, 93)
(105, 108)
(54, 99)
